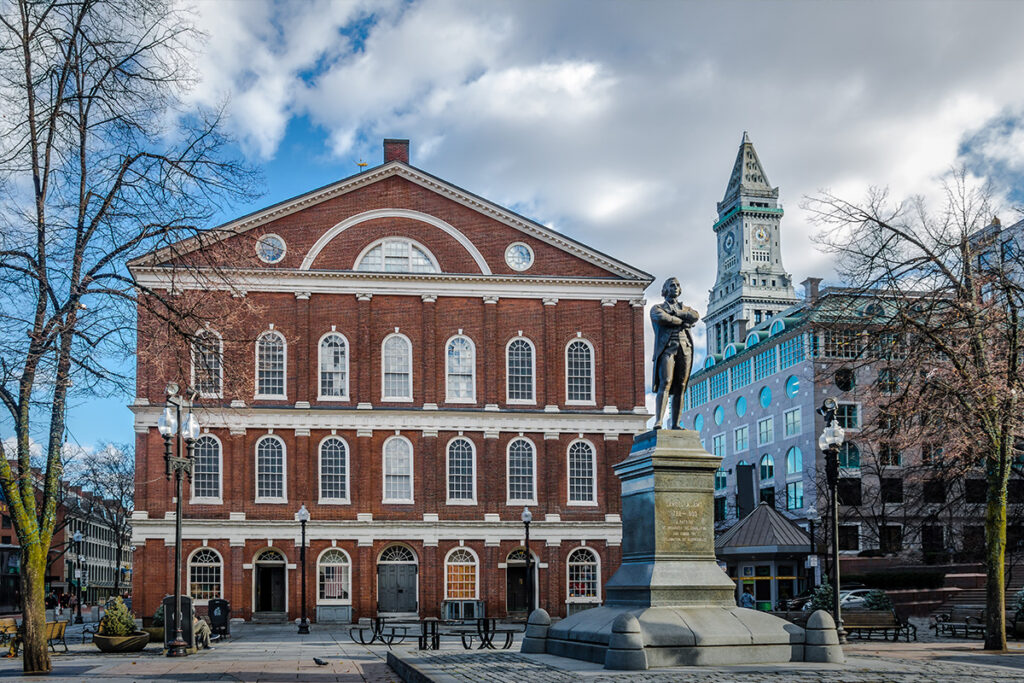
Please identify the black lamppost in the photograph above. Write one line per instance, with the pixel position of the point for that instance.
(812, 517)
(179, 466)
(303, 516)
(527, 517)
(78, 570)
(829, 442)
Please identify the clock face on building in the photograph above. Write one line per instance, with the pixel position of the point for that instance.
(761, 234)
(729, 243)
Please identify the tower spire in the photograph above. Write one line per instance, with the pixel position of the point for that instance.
(748, 178)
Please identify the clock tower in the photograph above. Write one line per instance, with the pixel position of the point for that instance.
(752, 285)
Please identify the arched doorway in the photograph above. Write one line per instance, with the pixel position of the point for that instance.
(517, 597)
(397, 585)
(270, 592)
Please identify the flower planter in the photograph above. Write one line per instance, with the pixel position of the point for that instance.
(156, 633)
(133, 643)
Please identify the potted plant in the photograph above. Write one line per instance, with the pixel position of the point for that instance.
(117, 630)
(155, 628)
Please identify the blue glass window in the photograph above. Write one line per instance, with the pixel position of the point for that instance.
(741, 406)
(792, 386)
(766, 397)
(719, 415)
(698, 423)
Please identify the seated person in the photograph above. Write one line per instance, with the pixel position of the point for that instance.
(201, 632)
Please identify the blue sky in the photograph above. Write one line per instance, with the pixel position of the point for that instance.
(613, 120)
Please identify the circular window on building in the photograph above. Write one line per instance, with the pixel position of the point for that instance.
(845, 379)
(792, 386)
(519, 256)
(741, 406)
(765, 397)
(698, 423)
(270, 248)
(719, 415)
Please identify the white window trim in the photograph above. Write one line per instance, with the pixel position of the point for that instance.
(593, 476)
(803, 494)
(793, 476)
(770, 441)
(725, 443)
(597, 598)
(785, 427)
(509, 500)
(725, 475)
(319, 372)
(412, 473)
(188, 574)
(210, 500)
(284, 247)
(284, 379)
(528, 248)
(284, 471)
(860, 415)
(448, 472)
(346, 500)
(334, 601)
(383, 371)
(745, 448)
(593, 373)
(476, 571)
(220, 354)
(770, 479)
(533, 374)
(395, 238)
(447, 371)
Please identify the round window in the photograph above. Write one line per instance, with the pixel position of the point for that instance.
(766, 397)
(698, 423)
(519, 256)
(845, 379)
(741, 406)
(270, 248)
(719, 415)
(792, 386)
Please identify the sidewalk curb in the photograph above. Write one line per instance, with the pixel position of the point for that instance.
(415, 670)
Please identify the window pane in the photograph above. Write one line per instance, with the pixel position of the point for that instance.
(581, 473)
(460, 369)
(270, 365)
(333, 469)
(520, 371)
(206, 355)
(397, 470)
(270, 469)
(397, 368)
(582, 574)
(334, 576)
(461, 575)
(579, 372)
(460, 470)
(333, 365)
(767, 467)
(204, 575)
(520, 470)
(206, 468)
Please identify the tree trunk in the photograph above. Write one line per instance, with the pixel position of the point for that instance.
(117, 569)
(995, 556)
(36, 657)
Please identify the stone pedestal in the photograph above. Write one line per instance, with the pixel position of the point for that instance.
(670, 604)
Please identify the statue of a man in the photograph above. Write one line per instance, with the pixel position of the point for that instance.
(673, 351)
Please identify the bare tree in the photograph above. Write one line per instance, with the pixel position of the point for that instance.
(952, 300)
(100, 162)
(109, 476)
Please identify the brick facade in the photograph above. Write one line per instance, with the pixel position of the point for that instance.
(568, 293)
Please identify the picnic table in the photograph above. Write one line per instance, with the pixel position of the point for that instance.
(485, 629)
(379, 630)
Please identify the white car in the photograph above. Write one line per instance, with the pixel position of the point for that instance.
(853, 598)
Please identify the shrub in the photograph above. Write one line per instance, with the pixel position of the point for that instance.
(158, 615)
(822, 598)
(1020, 600)
(877, 600)
(118, 621)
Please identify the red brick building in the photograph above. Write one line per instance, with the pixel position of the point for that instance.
(416, 365)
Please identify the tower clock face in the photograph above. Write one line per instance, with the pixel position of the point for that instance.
(761, 234)
(729, 243)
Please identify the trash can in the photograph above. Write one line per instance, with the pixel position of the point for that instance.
(186, 621)
(220, 616)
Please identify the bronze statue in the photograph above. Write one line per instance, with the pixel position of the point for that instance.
(673, 351)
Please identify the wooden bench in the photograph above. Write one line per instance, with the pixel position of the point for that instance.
(968, 619)
(865, 623)
(55, 634)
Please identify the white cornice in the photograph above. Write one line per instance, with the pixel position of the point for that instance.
(402, 284)
(420, 178)
(236, 419)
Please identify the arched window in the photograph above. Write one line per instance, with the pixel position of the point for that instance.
(521, 473)
(579, 372)
(397, 554)
(460, 575)
(333, 367)
(206, 470)
(767, 467)
(584, 576)
(397, 255)
(333, 470)
(397, 470)
(582, 472)
(397, 367)
(335, 582)
(270, 470)
(461, 472)
(270, 365)
(519, 371)
(207, 364)
(205, 574)
(794, 461)
(461, 370)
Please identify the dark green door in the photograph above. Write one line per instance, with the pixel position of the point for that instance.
(396, 587)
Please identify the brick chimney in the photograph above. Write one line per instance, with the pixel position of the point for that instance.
(811, 289)
(396, 150)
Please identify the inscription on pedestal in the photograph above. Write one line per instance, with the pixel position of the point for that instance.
(684, 524)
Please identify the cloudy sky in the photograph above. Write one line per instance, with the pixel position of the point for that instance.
(618, 122)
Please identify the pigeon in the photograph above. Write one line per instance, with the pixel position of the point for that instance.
(319, 661)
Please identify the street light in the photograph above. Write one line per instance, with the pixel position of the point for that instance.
(812, 518)
(829, 442)
(176, 431)
(303, 516)
(527, 517)
(78, 570)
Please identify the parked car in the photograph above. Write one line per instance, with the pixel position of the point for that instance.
(853, 598)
